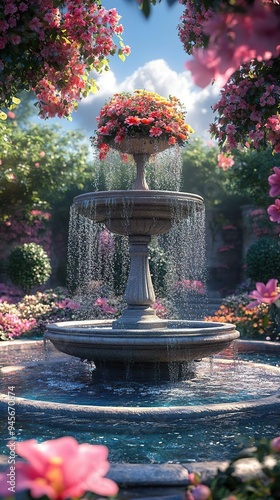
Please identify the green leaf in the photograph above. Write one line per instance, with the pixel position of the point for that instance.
(146, 8)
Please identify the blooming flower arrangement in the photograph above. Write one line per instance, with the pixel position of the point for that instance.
(141, 114)
(50, 47)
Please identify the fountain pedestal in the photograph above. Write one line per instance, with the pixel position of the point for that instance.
(139, 294)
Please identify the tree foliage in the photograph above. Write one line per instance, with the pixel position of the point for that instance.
(39, 163)
(248, 176)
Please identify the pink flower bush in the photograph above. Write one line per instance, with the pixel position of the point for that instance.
(191, 285)
(20, 228)
(267, 294)
(61, 43)
(145, 113)
(61, 469)
(106, 243)
(12, 325)
(68, 303)
(274, 182)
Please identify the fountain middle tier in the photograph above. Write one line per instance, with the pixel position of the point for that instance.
(136, 212)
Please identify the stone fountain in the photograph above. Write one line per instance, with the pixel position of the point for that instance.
(139, 341)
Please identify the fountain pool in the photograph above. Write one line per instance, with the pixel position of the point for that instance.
(209, 417)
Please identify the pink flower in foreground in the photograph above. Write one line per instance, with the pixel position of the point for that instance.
(274, 211)
(274, 182)
(266, 294)
(61, 468)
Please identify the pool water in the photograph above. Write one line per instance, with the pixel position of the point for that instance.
(64, 379)
(60, 378)
(217, 439)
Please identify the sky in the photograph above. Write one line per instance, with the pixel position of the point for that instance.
(156, 63)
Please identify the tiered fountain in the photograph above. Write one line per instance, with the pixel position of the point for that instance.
(138, 347)
(139, 340)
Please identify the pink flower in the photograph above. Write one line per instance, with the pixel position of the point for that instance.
(161, 311)
(16, 39)
(201, 492)
(105, 307)
(101, 301)
(274, 182)
(61, 468)
(275, 444)
(69, 304)
(225, 162)
(274, 211)
(155, 131)
(106, 243)
(266, 294)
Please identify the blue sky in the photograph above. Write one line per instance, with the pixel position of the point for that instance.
(156, 63)
(150, 38)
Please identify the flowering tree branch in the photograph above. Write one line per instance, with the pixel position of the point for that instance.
(52, 47)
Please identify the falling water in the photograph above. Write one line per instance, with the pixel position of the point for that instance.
(163, 171)
(98, 260)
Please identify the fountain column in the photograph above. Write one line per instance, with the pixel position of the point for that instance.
(139, 294)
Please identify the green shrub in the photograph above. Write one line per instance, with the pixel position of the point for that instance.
(28, 265)
(263, 260)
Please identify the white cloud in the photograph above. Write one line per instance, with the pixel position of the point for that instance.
(155, 76)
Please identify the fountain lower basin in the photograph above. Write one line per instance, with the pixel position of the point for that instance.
(176, 342)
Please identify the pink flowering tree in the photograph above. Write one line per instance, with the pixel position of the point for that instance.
(53, 48)
(236, 44)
